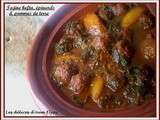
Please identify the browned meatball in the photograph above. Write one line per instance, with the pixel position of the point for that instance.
(100, 42)
(62, 73)
(77, 83)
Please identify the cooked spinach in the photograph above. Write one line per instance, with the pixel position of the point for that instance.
(65, 45)
(132, 94)
(139, 83)
(80, 41)
(136, 77)
(123, 61)
(112, 84)
(78, 101)
(113, 27)
(73, 26)
(76, 31)
(105, 13)
(119, 58)
(89, 53)
(139, 74)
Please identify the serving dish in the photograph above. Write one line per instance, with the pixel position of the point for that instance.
(40, 60)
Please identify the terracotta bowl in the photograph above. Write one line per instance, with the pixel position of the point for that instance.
(39, 65)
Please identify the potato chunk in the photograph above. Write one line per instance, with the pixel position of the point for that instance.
(67, 57)
(96, 87)
(97, 30)
(132, 16)
(93, 24)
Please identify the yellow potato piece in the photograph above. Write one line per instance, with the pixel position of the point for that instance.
(92, 21)
(132, 16)
(66, 58)
(96, 87)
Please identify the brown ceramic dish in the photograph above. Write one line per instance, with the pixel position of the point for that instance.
(40, 61)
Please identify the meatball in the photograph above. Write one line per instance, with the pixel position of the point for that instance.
(100, 42)
(77, 83)
(62, 73)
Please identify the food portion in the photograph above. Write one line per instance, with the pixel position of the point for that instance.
(105, 60)
(132, 16)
